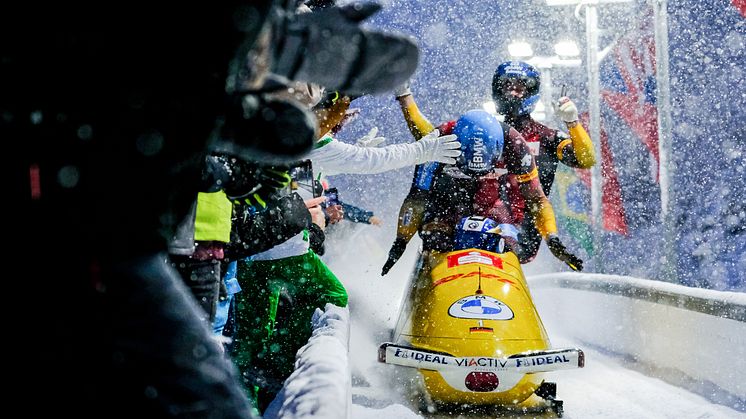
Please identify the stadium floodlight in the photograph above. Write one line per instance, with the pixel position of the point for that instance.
(588, 2)
(540, 112)
(489, 106)
(520, 49)
(566, 49)
(554, 61)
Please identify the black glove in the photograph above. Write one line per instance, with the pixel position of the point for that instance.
(254, 185)
(273, 177)
(397, 249)
(560, 252)
(257, 199)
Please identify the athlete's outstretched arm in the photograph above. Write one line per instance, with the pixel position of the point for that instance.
(417, 123)
(577, 151)
(333, 157)
(413, 207)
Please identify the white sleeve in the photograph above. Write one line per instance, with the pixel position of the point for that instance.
(337, 157)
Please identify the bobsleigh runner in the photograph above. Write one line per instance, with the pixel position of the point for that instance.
(470, 327)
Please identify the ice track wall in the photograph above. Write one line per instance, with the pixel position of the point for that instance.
(694, 338)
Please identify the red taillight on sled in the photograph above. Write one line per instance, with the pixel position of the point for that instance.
(481, 381)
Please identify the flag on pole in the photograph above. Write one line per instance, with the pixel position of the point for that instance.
(572, 202)
(629, 126)
(629, 83)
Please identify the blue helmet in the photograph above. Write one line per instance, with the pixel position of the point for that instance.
(481, 137)
(515, 71)
(473, 232)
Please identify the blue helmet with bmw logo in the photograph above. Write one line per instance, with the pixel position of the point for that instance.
(481, 137)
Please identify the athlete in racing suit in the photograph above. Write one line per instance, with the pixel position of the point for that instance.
(442, 194)
(515, 90)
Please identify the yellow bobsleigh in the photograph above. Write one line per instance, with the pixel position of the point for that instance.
(470, 327)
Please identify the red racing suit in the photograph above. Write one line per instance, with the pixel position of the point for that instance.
(441, 195)
(549, 147)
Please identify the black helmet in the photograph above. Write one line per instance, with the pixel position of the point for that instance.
(515, 71)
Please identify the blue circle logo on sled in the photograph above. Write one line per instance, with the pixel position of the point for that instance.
(480, 307)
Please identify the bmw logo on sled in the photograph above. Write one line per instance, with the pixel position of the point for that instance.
(470, 328)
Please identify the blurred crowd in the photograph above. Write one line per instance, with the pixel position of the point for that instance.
(171, 167)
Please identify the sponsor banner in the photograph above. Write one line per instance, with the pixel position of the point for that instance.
(530, 362)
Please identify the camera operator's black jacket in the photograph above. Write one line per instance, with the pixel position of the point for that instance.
(102, 112)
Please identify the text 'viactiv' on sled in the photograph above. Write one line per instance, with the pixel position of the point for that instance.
(470, 329)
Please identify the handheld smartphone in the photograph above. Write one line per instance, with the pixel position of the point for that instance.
(302, 177)
(563, 90)
(332, 196)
